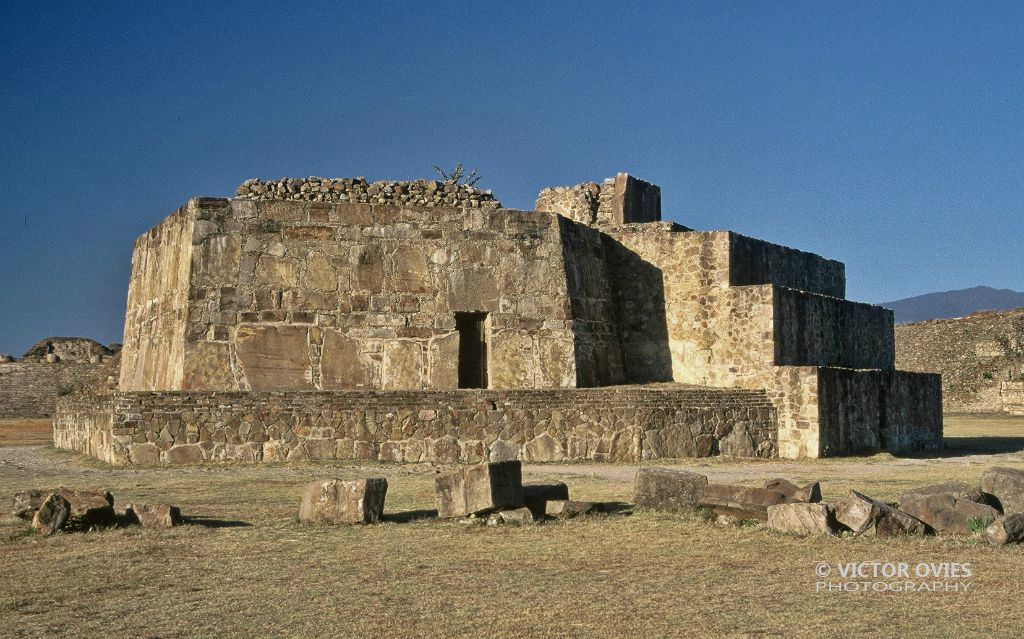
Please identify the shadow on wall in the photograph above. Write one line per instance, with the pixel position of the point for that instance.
(639, 290)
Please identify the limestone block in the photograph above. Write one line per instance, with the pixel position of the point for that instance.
(95, 507)
(740, 501)
(501, 450)
(473, 289)
(1007, 486)
(52, 515)
(344, 502)
(803, 518)
(153, 516)
(1005, 530)
(543, 448)
(557, 363)
(340, 363)
(947, 513)
(480, 489)
(535, 495)
(862, 514)
(512, 359)
(144, 454)
(811, 493)
(445, 450)
(670, 490)
(215, 261)
(274, 357)
(403, 365)
(565, 509)
(277, 272)
(320, 273)
(368, 267)
(207, 366)
(958, 490)
(515, 517)
(444, 361)
(411, 273)
(183, 454)
(318, 449)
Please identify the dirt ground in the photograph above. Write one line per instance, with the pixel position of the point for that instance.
(244, 566)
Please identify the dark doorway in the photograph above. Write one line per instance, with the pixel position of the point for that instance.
(472, 349)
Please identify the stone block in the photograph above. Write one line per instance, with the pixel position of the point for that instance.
(52, 515)
(1005, 530)
(535, 496)
(344, 502)
(1007, 486)
(947, 513)
(565, 509)
(543, 448)
(809, 494)
(480, 489)
(802, 518)
(153, 516)
(740, 501)
(340, 363)
(670, 490)
(184, 454)
(274, 358)
(862, 514)
(502, 450)
(959, 490)
(94, 507)
(515, 517)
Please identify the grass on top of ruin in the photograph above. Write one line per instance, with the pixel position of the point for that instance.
(244, 565)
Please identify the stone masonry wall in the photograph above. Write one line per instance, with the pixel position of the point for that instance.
(610, 424)
(427, 193)
(31, 388)
(754, 261)
(1012, 396)
(975, 355)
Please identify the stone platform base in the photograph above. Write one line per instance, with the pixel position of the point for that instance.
(617, 424)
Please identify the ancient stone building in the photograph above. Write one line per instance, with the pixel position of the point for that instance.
(51, 368)
(980, 357)
(412, 321)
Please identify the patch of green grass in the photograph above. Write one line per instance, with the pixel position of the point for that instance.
(977, 524)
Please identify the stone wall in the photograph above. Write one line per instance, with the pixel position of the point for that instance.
(427, 193)
(30, 388)
(754, 261)
(1011, 395)
(578, 203)
(622, 199)
(610, 424)
(974, 354)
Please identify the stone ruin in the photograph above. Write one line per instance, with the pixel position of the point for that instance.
(53, 367)
(340, 319)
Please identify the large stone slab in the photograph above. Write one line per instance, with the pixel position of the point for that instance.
(94, 507)
(947, 513)
(480, 489)
(803, 518)
(536, 496)
(809, 494)
(862, 514)
(741, 501)
(360, 501)
(52, 514)
(153, 516)
(670, 490)
(1007, 486)
(959, 490)
(1005, 530)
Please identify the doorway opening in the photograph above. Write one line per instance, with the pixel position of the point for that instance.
(472, 349)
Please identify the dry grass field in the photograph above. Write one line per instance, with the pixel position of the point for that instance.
(243, 566)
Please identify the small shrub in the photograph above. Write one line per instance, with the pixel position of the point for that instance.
(977, 524)
(987, 375)
(64, 391)
(456, 175)
(704, 514)
(746, 521)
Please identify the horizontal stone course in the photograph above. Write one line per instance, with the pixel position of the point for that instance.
(465, 426)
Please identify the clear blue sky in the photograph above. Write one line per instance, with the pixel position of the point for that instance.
(889, 136)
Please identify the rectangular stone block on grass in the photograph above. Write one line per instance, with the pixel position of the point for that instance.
(803, 518)
(741, 501)
(360, 501)
(480, 489)
(670, 490)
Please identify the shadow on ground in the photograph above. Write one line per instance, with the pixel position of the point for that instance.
(209, 522)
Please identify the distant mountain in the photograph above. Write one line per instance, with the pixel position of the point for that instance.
(954, 303)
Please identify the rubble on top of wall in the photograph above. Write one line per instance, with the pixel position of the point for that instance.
(429, 193)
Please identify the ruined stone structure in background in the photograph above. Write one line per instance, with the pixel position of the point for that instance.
(980, 357)
(53, 367)
(305, 325)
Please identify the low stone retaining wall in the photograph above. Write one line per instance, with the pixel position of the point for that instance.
(30, 388)
(466, 426)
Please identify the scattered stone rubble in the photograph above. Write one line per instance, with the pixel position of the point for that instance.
(67, 509)
(996, 510)
(428, 193)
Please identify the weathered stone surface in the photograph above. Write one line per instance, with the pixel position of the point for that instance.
(1005, 530)
(52, 515)
(671, 490)
(535, 495)
(947, 513)
(480, 489)
(95, 507)
(153, 516)
(274, 357)
(811, 493)
(360, 501)
(740, 501)
(1007, 486)
(543, 448)
(802, 518)
(184, 454)
(959, 490)
(341, 363)
(565, 509)
(862, 514)
(515, 517)
(502, 450)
